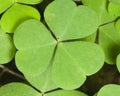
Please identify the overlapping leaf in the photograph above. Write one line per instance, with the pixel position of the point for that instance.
(66, 93)
(36, 51)
(115, 2)
(21, 13)
(109, 90)
(18, 89)
(29, 1)
(100, 6)
(7, 49)
(114, 10)
(4, 5)
(109, 39)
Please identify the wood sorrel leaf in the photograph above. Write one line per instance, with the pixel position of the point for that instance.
(76, 59)
(115, 2)
(43, 81)
(114, 10)
(18, 89)
(29, 1)
(100, 6)
(118, 62)
(73, 22)
(21, 13)
(109, 90)
(66, 93)
(117, 26)
(109, 39)
(7, 49)
(34, 51)
(4, 5)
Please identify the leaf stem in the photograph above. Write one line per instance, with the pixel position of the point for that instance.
(5, 69)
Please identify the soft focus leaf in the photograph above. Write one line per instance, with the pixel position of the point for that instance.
(109, 39)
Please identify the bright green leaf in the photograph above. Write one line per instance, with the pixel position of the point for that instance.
(115, 1)
(72, 23)
(109, 90)
(21, 13)
(76, 59)
(7, 49)
(29, 1)
(100, 6)
(4, 5)
(66, 93)
(109, 39)
(117, 25)
(18, 89)
(43, 81)
(118, 62)
(114, 10)
(34, 51)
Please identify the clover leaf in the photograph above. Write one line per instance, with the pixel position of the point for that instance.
(114, 10)
(109, 90)
(7, 49)
(74, 26)
(100, 6)
(66, 63)
(16, 89)
(4, 5)
(115, 2)
(19, 11)
(109, 39)
(29, 1)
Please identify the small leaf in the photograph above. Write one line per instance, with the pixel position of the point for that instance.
(114, 10)
(109, 39)
(83, 58)
(72, 23)
(7, 49)
(66, 93)
(29, 1)
(109, 90)
(115, 2)
(4, 5)
(118, 62)
(34, 51)
(21, 13)
(100, 6)
(17, 89)
(117, 25)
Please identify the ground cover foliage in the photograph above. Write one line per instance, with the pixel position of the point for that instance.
(59, 47)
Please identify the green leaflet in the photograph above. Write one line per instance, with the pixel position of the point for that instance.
(29, 1)
(109, 39)
(4, 5)
(115, 2)
(81, 59)
(7, 49)
(117, 25)
(73, 22)
(100, 6)
(118, 62)
(21, 13)
(66, 93)
(32, 50)
(114, 10)
(18, 89)
(109, 90)
(43, 81)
